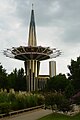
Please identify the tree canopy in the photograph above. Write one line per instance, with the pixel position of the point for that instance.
(3, 77)
(15, 79)
(74, 74)
(57, 83)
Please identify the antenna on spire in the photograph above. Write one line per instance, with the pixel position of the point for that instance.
(32, 6)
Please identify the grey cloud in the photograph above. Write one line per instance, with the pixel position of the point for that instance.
(41, 9)
(52, 13)
(72, 34)
(68, 11)
(61, 14)
(22, 10)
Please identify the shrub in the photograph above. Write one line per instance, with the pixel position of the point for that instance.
(65, 105)
(49, 100)
(40, 99)
(58, 100)
(18, 100)
(69, 91)
(3, 97)
(76, 98)
(4, 108)
(12, 97)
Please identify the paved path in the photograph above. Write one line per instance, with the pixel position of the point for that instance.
(32, 115)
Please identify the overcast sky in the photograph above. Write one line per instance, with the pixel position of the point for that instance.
(57, 25)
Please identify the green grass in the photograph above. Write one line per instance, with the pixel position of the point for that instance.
(56, 116)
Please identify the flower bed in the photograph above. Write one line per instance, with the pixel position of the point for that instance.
(13, 101)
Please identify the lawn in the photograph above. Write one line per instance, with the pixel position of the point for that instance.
(56, 116)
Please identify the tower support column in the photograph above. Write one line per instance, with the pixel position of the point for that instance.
(32, 71)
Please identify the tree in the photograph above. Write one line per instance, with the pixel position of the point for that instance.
(69, 91)
(3, 77)
(74, 74)
(57, 83)
(12, 78)
(21, 81)
(17, 80)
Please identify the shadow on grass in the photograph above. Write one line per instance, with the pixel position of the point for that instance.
(57, 116)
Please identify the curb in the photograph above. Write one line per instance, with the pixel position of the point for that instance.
(20, 111)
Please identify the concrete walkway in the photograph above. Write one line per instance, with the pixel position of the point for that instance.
(31, 115)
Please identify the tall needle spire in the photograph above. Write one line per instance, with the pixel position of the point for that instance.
(32, 6)
(32, 32)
